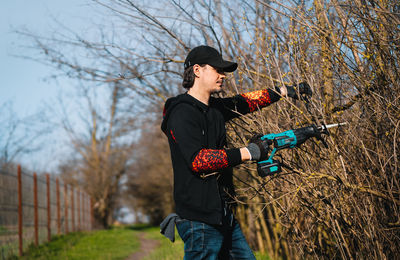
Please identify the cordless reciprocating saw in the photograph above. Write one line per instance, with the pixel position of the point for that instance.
(288, 139)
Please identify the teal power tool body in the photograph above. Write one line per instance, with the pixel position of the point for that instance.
(289, 139)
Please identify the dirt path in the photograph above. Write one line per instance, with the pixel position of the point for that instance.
(146, 246)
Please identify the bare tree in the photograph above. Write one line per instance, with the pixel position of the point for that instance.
(103, 151)
(20, 136)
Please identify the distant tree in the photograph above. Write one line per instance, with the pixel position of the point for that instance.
(102, 151)
(149, 182)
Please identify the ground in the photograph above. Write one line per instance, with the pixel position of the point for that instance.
(146, 246)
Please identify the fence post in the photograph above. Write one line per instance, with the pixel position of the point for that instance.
(91, 214)
(20, 211)
(48, 208)
(35, 205)
(72, 209)
(79, 208)
(66, 207)
(83, 211)
(87, 212)
(58, 207)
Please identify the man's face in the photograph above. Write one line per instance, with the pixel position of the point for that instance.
(210, 78)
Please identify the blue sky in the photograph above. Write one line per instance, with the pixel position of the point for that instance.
(24, 82)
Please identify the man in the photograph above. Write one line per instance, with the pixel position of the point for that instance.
(194, 123)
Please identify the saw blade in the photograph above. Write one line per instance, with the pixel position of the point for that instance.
(335, 125)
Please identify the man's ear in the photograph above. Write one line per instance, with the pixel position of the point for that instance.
(196, 70)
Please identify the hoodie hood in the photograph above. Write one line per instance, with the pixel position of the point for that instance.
(171, 103)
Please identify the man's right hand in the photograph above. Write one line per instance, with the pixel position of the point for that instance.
(258, 148)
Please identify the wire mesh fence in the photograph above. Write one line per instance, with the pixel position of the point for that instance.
(34, 208)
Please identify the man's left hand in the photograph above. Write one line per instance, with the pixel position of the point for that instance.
(303, 89)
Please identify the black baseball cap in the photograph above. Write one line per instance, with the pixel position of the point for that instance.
(208, 55)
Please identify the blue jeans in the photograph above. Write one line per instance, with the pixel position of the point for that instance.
(203, 241)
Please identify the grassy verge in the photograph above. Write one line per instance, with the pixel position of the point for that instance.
(167, 250)
(116, 243)
(260, 256)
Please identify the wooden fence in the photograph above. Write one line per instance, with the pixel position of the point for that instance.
(34, 208)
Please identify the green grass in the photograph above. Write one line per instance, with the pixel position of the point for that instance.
(260, 256)
(8, 249)
(116, 243)
(166, 250)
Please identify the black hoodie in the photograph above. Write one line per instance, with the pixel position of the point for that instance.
(201, 163)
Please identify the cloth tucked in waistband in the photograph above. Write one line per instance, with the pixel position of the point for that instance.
(167, 226)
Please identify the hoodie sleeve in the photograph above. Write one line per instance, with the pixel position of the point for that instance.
(186, 132)
(242, 104)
